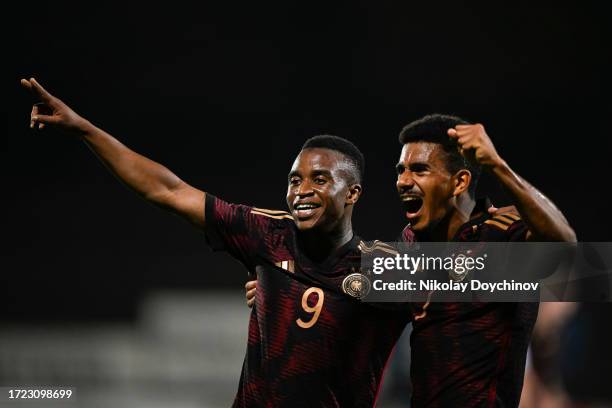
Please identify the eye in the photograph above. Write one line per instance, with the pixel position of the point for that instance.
(419, 169)
(399, 169)
(320, 180)
(294, 181)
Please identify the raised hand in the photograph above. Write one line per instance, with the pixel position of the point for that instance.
(475, 144)
(51, 111)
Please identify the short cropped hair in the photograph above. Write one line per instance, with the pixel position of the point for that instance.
(433, 128)
(352, 153)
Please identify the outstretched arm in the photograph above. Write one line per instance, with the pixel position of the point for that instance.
(149, 179)
(544, 219)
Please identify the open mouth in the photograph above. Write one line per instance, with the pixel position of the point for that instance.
(412, 204)
(305, 210)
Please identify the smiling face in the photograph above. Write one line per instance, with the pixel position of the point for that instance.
(319, 194)
(424, 184)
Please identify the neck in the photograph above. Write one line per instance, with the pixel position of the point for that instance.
(445, 229)
(319, 244)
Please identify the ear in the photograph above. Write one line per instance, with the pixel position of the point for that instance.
(353, 194)
(461, 181)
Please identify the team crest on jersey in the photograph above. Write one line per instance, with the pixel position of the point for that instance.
(356, 285)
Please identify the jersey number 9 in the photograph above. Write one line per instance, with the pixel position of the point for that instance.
(316, 309)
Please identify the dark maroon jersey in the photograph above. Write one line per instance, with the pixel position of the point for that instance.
(472, 354)
(310, 344)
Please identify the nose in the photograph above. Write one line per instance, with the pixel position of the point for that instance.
(304, 189)
(405, 182)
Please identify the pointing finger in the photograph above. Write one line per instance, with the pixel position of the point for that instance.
(40, 91)
(452, 132)
(26, 84)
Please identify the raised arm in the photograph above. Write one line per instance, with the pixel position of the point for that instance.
(149, 179)
(544, 219)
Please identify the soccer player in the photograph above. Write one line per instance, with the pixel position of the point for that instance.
(468, 354)
(309, 342)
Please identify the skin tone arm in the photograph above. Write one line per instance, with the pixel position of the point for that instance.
(545, 221)
(149, 179)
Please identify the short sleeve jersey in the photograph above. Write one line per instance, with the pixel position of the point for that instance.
(472, 354)
(309, 343)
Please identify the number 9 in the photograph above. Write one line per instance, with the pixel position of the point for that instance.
(316, 309)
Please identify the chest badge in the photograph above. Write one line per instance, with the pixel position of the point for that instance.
(356, 285)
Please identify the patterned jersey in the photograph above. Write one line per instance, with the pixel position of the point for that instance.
(309, 343)
(472, 354)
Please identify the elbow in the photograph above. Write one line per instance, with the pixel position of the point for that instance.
(565, 234)
(163, 197)
(570, 235)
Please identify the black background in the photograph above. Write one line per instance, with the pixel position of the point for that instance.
(225, 94)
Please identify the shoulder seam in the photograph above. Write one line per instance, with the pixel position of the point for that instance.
(271, 212)
(277, 216)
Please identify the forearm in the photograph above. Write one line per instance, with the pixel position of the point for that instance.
(149, 179)
(544, 219)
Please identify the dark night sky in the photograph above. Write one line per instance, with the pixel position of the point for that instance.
(224, 95)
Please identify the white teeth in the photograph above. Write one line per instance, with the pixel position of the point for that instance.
(305, 206)
(411, 198)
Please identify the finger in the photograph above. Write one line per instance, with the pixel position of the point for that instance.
(492, 209)
(46, 119)
(26, 84)
(41, 92)
(32, 114)
(251, 294)
(463, 127)
(250, 285)
(452, 132)
(251, 302)
(508, 209)
(464, 141)
(41, 126)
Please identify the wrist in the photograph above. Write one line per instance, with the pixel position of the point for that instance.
(85, 129)
(496, 164)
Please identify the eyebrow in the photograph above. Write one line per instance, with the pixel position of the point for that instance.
(295, 173)
(322, 173)
(400, 165)
(419, 164)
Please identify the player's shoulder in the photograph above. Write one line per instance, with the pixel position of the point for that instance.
(503, 221)
(508, 226)
(272, 214)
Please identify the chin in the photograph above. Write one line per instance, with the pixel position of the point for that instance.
(305, 225)
(420, 226)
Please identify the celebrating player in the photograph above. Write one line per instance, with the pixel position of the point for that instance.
(309, 344)
(468, 354)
